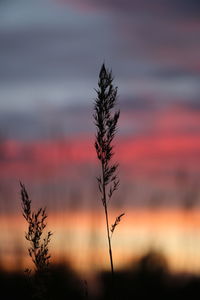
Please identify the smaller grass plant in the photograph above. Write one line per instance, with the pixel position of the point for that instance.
(39, 246)
(38, 250)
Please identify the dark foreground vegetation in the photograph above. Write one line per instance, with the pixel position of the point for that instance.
(147, 279)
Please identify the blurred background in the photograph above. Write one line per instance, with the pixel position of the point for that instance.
(51, 52)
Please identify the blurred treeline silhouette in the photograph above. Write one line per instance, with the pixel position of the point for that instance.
(146, 278)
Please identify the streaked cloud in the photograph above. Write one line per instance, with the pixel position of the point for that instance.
(152, 46)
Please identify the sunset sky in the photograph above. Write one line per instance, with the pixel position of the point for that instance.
(51, 52)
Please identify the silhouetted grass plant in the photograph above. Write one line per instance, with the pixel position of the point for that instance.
(38, 250)
(106, 124)
(39, 244)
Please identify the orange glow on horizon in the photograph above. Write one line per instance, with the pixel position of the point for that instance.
(80, 239)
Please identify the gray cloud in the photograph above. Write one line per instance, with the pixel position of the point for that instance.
(185, 7)
(59, 51)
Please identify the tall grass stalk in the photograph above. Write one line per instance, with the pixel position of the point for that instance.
(106, 124)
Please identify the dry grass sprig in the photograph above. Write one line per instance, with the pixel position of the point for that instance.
(117, 221)
(106, 124)
(38, 250)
